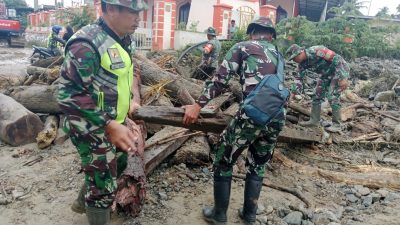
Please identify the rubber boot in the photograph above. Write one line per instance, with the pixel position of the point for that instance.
(314, 118)
(222, 191)
(98, 216)
(336, 122)
(79, 204)
(252, 191)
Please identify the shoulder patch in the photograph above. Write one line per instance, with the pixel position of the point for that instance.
(116, 59)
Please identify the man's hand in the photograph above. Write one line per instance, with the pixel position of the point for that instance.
(191, 113)
(343, 84)
(120, 136)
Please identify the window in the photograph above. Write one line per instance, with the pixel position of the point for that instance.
(184, 13)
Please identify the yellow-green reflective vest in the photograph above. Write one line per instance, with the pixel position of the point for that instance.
(113, 80)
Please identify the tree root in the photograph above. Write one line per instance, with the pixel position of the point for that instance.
(292, 191)
(370, 178)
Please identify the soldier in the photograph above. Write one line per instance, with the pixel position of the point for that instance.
(211, 52)
(54, 42)
(333, 72)
(95, 95)
(251, 60)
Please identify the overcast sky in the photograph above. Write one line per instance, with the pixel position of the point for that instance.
(375, 5)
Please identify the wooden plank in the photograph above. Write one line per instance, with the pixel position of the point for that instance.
(156, 154)
(216, 123)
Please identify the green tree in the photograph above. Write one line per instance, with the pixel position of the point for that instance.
(78, 18)
(15, 3)
(398, 9)
(383, 12)
(349, 8)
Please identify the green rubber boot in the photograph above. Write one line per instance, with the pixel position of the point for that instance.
(222, 191)
(79, 204)
(336, 122)
(314, 118)
(98, 216)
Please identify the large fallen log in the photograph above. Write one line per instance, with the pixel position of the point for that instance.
(215, 122)
(151, 74)
(44, 74)
(7, 80)
(18, 125)
(49, 133)
(38, 99)
(157, 153)
(49, 62)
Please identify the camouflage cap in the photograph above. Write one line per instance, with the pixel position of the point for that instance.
(294, 50)
(261, 21)
(211, 31)
(136, 5)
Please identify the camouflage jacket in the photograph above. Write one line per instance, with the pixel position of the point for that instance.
(78, 93)
(322, 61)
(251, 60)
(212, 57)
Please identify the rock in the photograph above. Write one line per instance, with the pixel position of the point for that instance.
(362, 190)
(391, 197)
(375, 197)
(298, 97)
(260, 208)
(16, 194)
(294, 218)
(358, 218)
(269, 209)
(349, 209)
(263, 219)
(367, 202)
(396, 133)
(162, 195)
(334, 223)
(282, 212)
(385, 96)
(390, 161)
(383, 192)
(306, 222)
(323, 217)
(351, 198)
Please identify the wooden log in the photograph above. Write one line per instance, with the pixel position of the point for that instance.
(46, 75)
(300, 109)
(7, 80)
(156, 154)
(18, 125)
(195, 151)
(216, 123)
(185, 97)
(49, 133)
(215, 104)
(49, 62)
(151, 73)
(38, 99)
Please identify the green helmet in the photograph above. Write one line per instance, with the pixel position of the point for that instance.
(294, 50)
(136, 5)
(211, 31)
(261, 21)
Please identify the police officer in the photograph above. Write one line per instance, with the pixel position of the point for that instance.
(54, 42)
(252, 60)
(95, 95)
(211, 52)
(333, 73)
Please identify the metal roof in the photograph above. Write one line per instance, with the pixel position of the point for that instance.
(312, 9)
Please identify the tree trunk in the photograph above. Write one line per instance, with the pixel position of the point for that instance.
(46, 75)
(49, 62)
(18, 125)
(215, 123)
(49, 133)
(151, 74)
(7, 80)
(38, 99)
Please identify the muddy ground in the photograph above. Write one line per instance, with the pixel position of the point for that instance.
(41, 192)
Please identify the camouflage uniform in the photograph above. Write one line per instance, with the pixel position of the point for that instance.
(88, 97)
(251, 60)
(210, 60)
(331, 67)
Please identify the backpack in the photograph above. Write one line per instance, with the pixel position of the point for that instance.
(268, 98)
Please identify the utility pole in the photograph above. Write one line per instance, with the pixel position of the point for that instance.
(369, 8)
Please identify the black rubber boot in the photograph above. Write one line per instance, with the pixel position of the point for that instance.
(98, 216)
(222, 191)
(78, 205)
(252, 191)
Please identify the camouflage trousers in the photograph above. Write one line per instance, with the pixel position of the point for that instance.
(243, 133)
(328, 86)
(102, 164)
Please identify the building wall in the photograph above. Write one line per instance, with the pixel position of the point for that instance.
(201, 11)
(183, 38)
(286, 5)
